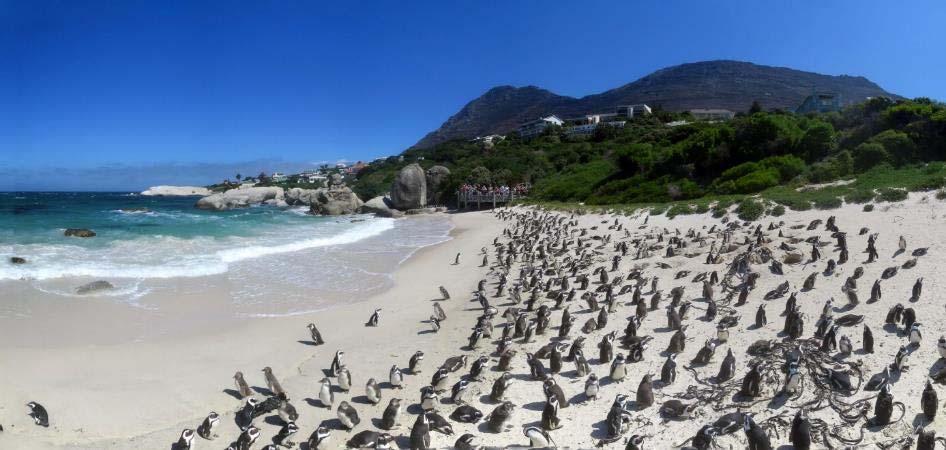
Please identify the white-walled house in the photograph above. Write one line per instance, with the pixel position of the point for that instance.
(536, 127)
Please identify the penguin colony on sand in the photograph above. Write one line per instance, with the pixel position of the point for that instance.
(555, 288)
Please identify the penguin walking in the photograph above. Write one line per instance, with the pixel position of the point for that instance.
(444, 294)
(185, 441)
(375, 317)
(456, 260)
(244, 417)
(314, 333)
(38, 414)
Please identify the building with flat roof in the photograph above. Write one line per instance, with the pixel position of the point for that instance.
(631, 111)
(538, 126)
(712, 114)
(820, 102)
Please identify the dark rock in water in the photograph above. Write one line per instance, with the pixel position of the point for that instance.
(409, 189)
(17, 260)
(79, 232)
(135, 210)
(100, 285)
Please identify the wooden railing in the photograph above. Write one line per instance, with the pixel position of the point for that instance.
(466, 199)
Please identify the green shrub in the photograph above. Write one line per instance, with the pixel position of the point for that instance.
(702, 208)
(868, 155)
(750, 209)
(868, 207)
(717, 213)
(891, 195)
(828, 203)
(756, 181)
(778, 211)
(859, 196)
(678, 209)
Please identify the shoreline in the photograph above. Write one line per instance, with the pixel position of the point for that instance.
(103, 390)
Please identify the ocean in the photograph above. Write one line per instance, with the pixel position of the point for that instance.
(273, 261)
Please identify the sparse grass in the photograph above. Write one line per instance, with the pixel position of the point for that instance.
(828, 203)
(678, 209)
(777, 211)
(860, 196)
(891, 195)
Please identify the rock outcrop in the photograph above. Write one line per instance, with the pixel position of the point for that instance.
(409, 190)
(242, 198)
(381, 207)
(17, 260)
(79, 232)
(335, 201)
(302, 197)
(177, 191)
(436, 176)
(95, 286)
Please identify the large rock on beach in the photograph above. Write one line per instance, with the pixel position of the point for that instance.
(436, 176)
(177, 191)
(381, 207)
(335, 201)
(409, 190)
(242, 198)
(95, 286)
(79, 232)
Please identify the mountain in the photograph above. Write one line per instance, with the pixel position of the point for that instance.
(732, 85)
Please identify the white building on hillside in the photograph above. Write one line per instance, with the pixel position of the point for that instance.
(536, 127)
(631, 111)
(278, 177)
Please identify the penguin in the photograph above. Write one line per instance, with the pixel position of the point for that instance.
(344, 379)
(618, 368)
(318, 440)
(498, 391)
(207, 427)
(465, 442)
(420, 433)
(365, 439)
(434, 324)
(760, 319)
(915, 335)
(635, 442)
(883, 407)
(314, 333)
(792, 380)
(347, 415)
(592, 387)
(645, 392)
(373, 391)
(752, 382)
(396, 378)
(286, 411)
(326, 395)
(538, 438)
(438, 423)
(677, 341)
(283, 438)
(606, 347)
(926, 439)
(929, 402)
(271, 382)
(755, 435)
(800, 434)
(185, 441)
(456, 261)
(414, 364)
(900, 360)
(868, 340)
(428, 398)
(444, 294)
(439, 380)
(551, 389)
(668, 373)
(247, 438)
(555, 359)
(941, 347)
(728, 368)
(845, 346)
(705, 354)
(496, 421)
(439, 313)
(244, 417)
(458, 391)
(391, 416)
(375, 317)
(336, 363)
(242, 388)
(550, 420)
(466, 414)
(536, 368)
(878, 380)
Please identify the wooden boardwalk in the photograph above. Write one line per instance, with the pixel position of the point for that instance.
(467, 200)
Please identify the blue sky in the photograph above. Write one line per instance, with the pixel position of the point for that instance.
(122, 95)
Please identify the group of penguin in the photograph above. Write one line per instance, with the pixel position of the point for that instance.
(557, 261)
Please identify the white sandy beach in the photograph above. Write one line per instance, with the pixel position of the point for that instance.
(142, 394)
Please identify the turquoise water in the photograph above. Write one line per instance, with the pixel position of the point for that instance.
(268, 256)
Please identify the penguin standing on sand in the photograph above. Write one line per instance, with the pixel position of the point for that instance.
(373, 391)
(316, 336)
(550, 420)
(283, 438)
(915, 335)
(868, 340)
(456, 261)
(618, 368)
(929, 401)
(592, 386)
(941, 347)
(444, 294)
(645, 392)
(247, 438)
(244, 417)
(391, 417)
(800, 435)
(326, 396)
(375, 317)
(336, 363)
(760, 319)
(420, 433)
(538, 438)
(242, 388)
(184, 443)
(414, 364)
(207, 427)
(271, 382)
(396, 378)
(755, 435)
(668, 373)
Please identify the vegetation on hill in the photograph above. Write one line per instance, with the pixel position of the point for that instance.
(881, 143)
